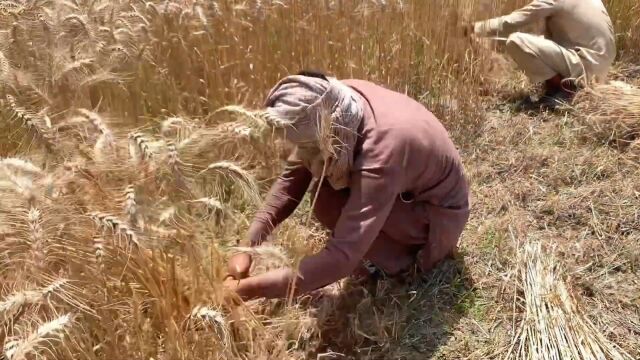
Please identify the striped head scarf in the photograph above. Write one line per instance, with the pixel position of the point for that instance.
(320, 113)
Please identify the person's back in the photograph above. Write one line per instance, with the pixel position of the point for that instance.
(431, 161)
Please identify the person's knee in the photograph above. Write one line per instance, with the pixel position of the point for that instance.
(515, 41)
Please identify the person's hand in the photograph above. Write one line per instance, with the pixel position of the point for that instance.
(239, 266)
(230, 284)
(231, 297)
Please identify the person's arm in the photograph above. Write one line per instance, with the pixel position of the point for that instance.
(373, 191)
(284, 197)
(282, 200)
(505, 25)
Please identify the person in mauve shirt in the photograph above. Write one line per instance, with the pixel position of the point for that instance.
(392, 189)
(578, 46)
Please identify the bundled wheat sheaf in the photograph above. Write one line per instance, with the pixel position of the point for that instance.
(612, 111)
(553, 326)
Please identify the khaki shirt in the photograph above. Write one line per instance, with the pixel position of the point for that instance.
(580, 25)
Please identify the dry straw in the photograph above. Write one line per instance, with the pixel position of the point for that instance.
(243, 178)
(612, 113)
(554, 327)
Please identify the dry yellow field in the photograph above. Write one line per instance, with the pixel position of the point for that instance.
(131, 165)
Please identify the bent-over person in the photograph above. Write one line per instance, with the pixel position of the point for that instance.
(578, 46)
(393, 190)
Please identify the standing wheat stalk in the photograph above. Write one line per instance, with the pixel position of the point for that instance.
(46, 334)
(37, 239)
(13, 304)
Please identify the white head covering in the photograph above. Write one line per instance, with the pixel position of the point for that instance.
(322, 111)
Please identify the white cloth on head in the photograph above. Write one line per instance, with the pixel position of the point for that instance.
(326, 113)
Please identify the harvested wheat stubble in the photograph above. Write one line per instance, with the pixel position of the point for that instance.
(553, 326)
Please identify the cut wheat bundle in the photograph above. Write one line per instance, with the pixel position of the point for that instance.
(611, 112)
(243, 178)
(554, 327)
(265, 257)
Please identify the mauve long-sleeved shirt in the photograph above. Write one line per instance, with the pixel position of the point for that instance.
(402, 148)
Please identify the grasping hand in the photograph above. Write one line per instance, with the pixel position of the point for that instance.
(230, 284)
(239, 266)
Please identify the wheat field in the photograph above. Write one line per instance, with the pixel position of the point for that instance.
(131, 165)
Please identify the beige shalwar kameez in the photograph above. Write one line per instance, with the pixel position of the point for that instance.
(579, 42)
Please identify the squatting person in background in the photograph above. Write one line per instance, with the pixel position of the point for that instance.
(393, 190)
(579, 45)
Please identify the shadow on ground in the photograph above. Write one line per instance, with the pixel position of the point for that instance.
(393, 320)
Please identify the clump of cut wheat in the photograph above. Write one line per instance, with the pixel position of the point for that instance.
(211, 319)
(553, 326)
(611, 112)
(265, 257)
(238, 175)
